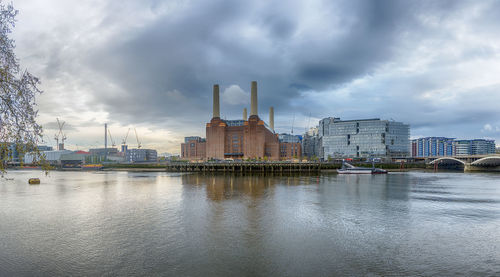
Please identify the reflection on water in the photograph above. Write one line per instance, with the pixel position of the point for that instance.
(126, 223)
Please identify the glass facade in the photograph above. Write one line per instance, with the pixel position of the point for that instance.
(441, 146)
(363, 138)
(474, 147)
(432, 147)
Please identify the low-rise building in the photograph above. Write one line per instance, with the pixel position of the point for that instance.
(103, 151)
(432, 147)
(52, 157)
(290, 146)
(193, 148)
(473, 147)
(141, 155)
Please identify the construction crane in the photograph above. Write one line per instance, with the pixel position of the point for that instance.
(306, 129)
(137, 138)
(124, 141)
(111, 137)
(60, 134)
(293, 122)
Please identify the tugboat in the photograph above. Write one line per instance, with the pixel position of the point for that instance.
(350, 169)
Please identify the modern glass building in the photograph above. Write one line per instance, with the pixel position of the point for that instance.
(474, 147)
(363, 138)
(432, 147)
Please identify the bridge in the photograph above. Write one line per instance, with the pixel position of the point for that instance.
(468, 163)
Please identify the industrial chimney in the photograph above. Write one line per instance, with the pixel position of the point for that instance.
(253, 108)
(216, 108)
(245, 117)
(271, 118)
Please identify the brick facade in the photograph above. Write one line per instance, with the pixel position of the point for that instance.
(251, 140)
(193, 149)
(238, 139)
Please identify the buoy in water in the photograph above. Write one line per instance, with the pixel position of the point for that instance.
(34, 181)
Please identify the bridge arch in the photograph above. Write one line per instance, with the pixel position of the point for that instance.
(448, 160)
(487, 161)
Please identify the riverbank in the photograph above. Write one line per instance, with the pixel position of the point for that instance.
(244, 167)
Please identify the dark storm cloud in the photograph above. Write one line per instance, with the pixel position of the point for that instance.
(391, 59)
(207, 43)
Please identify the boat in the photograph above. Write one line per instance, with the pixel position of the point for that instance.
(34, 181)
(92, 167)
(350, 169)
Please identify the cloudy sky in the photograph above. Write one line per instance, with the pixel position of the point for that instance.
(151, 64)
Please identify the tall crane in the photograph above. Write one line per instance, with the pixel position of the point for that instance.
(60, 134)
(137, 138)
(112, 140)
(124, 141)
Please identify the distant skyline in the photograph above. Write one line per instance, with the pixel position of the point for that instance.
(151, 65)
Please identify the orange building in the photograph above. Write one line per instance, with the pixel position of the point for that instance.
(249, 138)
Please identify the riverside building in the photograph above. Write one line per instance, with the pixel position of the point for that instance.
(194, 148)
(363, 138)
(246, 138)
(141, 155)
(311, 144)
(473, 147)
(442, 146)
(290, 146)
(432, 147)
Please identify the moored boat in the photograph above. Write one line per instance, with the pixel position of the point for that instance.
(350, 169)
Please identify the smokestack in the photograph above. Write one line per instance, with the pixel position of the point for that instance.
(271, 118)
(245, 117)
(216, 108)
(253, 107)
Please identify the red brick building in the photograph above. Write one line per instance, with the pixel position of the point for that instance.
(193, 148)
(249, 138)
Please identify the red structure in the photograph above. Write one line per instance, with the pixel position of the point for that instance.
(249, 138)
(193, 148)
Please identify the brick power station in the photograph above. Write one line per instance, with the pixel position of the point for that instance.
(249, 138)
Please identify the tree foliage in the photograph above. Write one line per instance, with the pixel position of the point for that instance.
(19, 130)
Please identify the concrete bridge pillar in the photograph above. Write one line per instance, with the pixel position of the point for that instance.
(469, 167)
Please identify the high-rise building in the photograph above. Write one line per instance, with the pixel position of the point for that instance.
(311, 143)
(363, 138)
(432, 147)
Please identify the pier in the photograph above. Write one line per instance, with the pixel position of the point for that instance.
(250, 167)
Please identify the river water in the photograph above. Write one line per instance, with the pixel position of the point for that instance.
(132, 223)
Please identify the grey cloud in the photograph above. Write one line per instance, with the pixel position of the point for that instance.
(161, 72)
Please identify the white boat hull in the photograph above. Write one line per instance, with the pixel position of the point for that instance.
(354, 171)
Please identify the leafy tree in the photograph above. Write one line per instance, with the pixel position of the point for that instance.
(19, 130)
